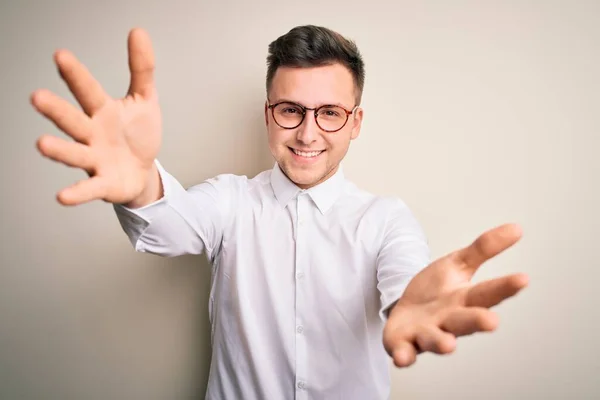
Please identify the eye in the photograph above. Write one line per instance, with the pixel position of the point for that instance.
(289, 110)
(330, 112)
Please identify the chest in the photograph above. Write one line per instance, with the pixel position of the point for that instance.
(333, 251)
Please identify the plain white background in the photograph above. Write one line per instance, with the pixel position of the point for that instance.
(476, 113)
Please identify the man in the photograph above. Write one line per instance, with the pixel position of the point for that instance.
(313, 279)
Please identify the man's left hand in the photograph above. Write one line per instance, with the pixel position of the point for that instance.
(440, 303)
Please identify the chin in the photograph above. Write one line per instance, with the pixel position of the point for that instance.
(302, 177)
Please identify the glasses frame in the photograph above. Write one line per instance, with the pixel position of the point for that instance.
(316, 114)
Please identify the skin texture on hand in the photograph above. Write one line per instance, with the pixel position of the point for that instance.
(441, 304)
(115, 141)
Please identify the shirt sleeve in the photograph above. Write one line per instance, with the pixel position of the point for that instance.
(404, 252)
(183, 221)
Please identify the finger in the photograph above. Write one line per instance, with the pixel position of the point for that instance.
(69, 153)
(434, 340)
(88, 92)
(63, 114)
(490, 293)
(404, 354)
(488, 245)
(141, 63)
(466, 321)
(82, 192)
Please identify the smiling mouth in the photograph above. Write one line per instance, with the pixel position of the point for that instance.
(306, 154)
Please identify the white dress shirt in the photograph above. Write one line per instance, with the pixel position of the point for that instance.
(301, 279)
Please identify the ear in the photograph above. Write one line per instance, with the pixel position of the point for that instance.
(356, 120)
(267, 114)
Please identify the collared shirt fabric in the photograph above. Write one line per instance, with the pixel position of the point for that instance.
(301, 279)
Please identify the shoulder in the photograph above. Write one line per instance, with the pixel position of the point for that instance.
(386, 206)
(390, 213)
(235, 184)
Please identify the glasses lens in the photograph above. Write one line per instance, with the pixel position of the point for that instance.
(288, 115)
(331, 118)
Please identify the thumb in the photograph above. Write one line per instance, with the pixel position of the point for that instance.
(488, 245)
(141, 63)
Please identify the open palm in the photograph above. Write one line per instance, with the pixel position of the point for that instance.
(441, 303)
(115, 140)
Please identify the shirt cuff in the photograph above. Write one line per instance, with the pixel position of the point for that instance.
(386, 307)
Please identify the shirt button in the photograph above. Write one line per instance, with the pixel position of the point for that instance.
(300, 222)
(300, 329)
(301, 385)
(300, 275)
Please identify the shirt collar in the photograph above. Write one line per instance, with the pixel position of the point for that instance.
(323, 195)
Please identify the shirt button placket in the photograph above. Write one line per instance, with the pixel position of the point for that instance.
(300, 284)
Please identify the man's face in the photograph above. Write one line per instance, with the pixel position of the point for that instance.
(321, 151)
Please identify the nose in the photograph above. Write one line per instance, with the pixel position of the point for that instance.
(308, 131)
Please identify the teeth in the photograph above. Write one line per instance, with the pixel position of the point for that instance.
(307, 153)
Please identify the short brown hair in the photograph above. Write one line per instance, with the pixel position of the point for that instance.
(314, 46)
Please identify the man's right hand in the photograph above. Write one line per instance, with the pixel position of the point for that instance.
(115, 140)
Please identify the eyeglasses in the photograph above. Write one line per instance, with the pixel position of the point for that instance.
(330, 118)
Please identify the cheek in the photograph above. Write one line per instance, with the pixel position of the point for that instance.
(277, 138)
(338, 145)
(278, 135)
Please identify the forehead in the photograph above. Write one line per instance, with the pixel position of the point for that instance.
(329, 84)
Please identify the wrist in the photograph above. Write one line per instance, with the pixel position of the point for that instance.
(153, 190)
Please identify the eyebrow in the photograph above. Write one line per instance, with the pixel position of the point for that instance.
(284, 100)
